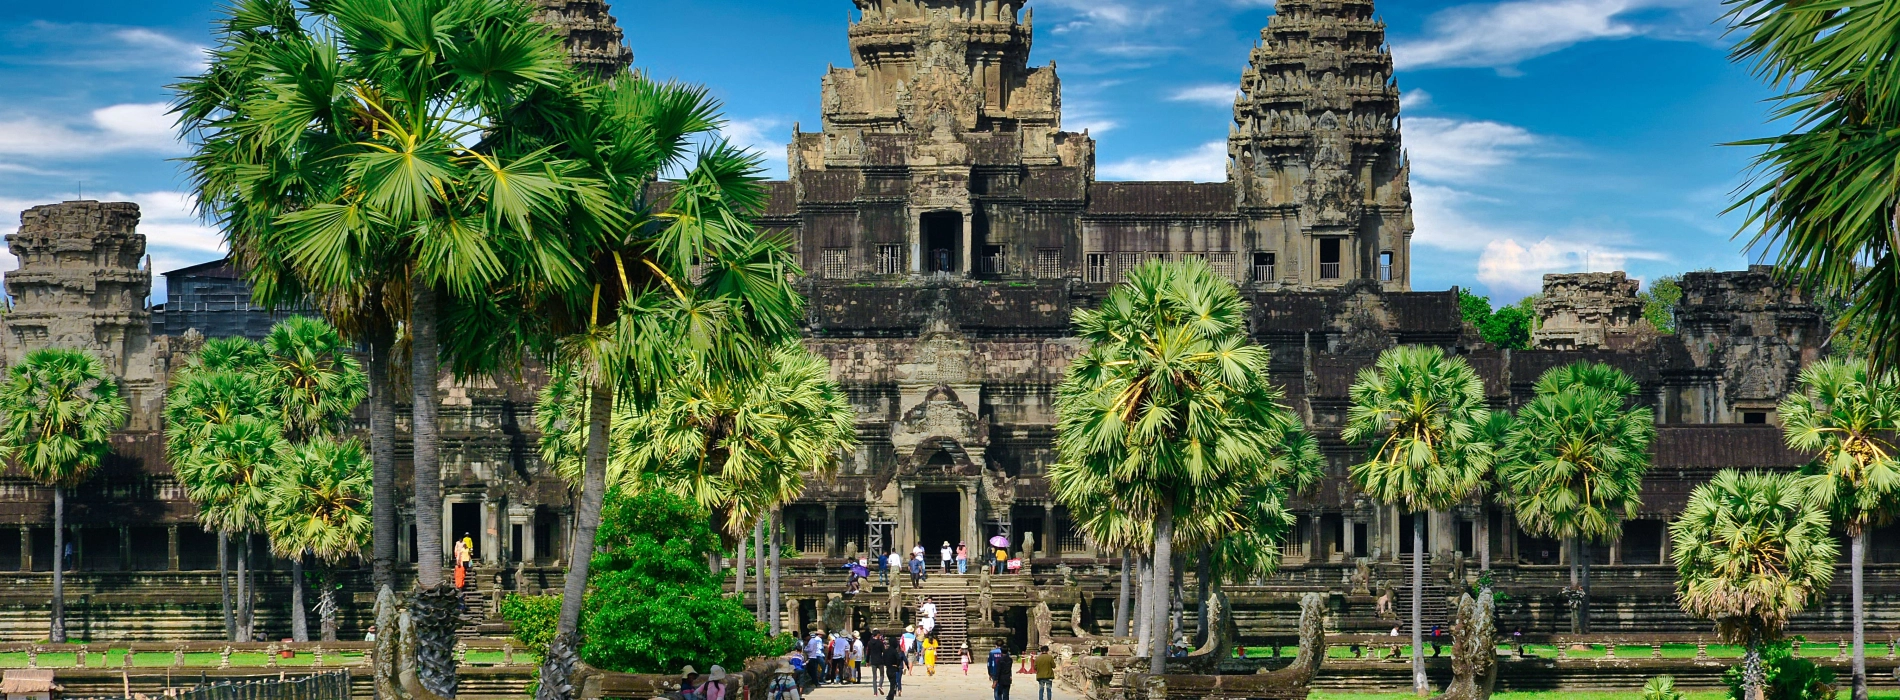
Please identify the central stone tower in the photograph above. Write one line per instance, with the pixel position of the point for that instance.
(1315, 154)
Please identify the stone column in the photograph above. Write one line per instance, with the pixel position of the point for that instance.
(1315, 539)
(1348, 540)
(831, 530)
(1443, 533)
(491, 531)
(972, 532)
(906, 520)
(171, 548)
(1508, 535)
(1616, 551)
(125, 548)
(26, 548)
(1051, 547)
(969, 238)
(1668, 547)
(1396, 546)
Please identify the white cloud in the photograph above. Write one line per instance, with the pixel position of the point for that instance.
(1500, 35)
(1414, 99)
(1510, 266)
(1455, 150)
(1210, 95)
(1118, 13)
(106, 47)
(1205, 164)
(757, 135)
(174, 235)
(114, 129)
(176, 52)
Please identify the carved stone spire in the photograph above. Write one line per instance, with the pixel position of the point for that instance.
(1316, 138)
(594, 41)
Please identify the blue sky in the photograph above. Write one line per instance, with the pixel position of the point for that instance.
(1546, 135)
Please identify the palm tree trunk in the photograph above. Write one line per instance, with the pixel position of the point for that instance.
(758, 577)
(1419, 685)
(423, 367)
(299, 625)
(1144, 620)
(224, 586)
(1163, 558)
(1177, 597)
(58, 632)
(1484, 539)
(1121, 603)
(1859, 549)
(1584, 604)
(243, 588)
(1203, 572)
(772, 617)
(382, 452)
(1576, 583)
(593, 496)
(738, 585)
(1752, 671)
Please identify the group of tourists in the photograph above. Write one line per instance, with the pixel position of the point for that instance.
(712, 687)
(1043, 664)
(949, 559)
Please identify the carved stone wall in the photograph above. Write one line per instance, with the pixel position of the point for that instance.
(1591, 311)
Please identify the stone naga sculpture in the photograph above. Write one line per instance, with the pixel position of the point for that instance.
(1220, 643)
(388, 655)
(1312, 646)
(1474, 649)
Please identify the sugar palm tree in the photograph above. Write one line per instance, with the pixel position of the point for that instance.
(1847, 417)
(218, 384)
(229, 476)
(1751, 552)
(1164, 408)
(1422, 414)
(374, 141)
(319, 507)
(60, 408)
(1824, 196)
(1574, 462)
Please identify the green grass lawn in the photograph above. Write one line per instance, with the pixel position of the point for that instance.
(1566, 695)
(116, 659)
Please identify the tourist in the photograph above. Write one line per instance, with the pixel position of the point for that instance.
(917, 551)
(929, 608)
(461, 574)
(917, 571)
(840, 648)
(1002, 559)
(371, 636)
(785, 685)
(910, 646)
(946, 555)
(715, 687)
(963, 655)
(894, 661)
(853, 588)
(963, 559)
(874, 657)
(926, 627)
(890, 561)
(689, 685)
(857, 659)
(1045, 674)
(1000, 672)
(930, 655)
(815, 659)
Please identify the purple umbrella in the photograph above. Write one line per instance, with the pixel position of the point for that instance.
(999, 541)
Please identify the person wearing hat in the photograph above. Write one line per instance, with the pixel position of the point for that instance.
(815, 659)
(784, 686)
(715, 687)
(946, 555)
(689, 684)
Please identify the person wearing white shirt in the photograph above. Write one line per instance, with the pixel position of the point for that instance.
(929, 609)
(946, 555)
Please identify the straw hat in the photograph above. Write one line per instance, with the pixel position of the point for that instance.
(718, 674)
(688, 670)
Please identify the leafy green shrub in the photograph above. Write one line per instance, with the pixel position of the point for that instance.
(533, 617)
(1661, 688)
(1784, 676)
(652, 606)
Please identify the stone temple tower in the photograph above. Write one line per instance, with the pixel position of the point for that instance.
(1315, 152)
(594, 41)
(82, 284)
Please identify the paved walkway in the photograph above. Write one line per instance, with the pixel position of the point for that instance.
(948, 684)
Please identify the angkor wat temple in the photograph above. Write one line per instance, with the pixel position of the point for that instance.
(949, 227)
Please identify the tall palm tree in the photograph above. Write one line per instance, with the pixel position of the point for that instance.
(218, 385)
(229, 476)
(1167, 405)
(60, 408)
(1423, 415)
(1827, 194)
(1573, 463)
(319, 507)
(314, 385)
(1847, 417)
(1751, 552)
(372, 140)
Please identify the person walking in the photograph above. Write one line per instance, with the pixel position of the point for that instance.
(963, 559)
(815, 659)
(715, 687)
(856, 659)
(460, 555)
(917, 571)
(840, 648)
(910, 646)
(884, 563)
(963, 654)
(930, 655)
(874, 657)
(928, 609)
(946, 555)
(784, 686)
(894, 660)
(1045, 674)
(1002, 558)
(1000, 672)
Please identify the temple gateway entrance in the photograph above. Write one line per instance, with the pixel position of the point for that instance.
(939, 518)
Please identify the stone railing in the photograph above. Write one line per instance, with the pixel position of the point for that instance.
(1617, 646)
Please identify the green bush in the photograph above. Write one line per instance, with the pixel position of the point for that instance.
(1661, 688)
(533, 617)
(1784, 676)
(652, 605)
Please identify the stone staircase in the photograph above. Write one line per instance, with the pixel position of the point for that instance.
(953, 620)
(474, 617)
(1436, 610)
